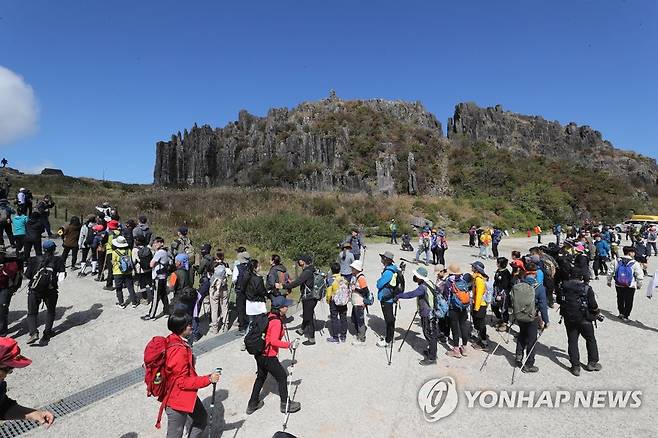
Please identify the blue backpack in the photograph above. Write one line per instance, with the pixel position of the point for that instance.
(624, 273)
(436, 302)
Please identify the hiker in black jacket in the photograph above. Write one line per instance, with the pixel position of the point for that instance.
(305, 283)
(33, 230)
(43, 272)
(277, 274)
(579, 308)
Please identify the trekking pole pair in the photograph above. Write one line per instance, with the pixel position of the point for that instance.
(527, 356)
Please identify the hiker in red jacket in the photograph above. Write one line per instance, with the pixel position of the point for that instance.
(182, 402)
(268, 362)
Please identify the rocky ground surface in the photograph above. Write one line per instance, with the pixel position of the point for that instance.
(344, 390)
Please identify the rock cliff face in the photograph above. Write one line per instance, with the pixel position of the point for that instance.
(533, 135)
(327, 145)
(373, 146)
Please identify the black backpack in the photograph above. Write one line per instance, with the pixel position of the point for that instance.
(43, 280)
(574, 305)
(145, 255)
(254, 340)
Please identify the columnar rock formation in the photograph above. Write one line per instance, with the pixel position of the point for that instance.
(373, 146)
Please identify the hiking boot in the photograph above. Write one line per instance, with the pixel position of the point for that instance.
(300, 332)
(455, 352)
(333, 340)
(464, 350)
(382, 343)
(145, 317)
(425, 362)
(310, 341)
(480, 346)
(529, 369)
(110, 288)
(343, 339)
(243, 347)
(135, 305)
(575, 370)
(593, 366)
(518, 360)
(33, 338)
(293, 407)
(358, 343)
(252, 409)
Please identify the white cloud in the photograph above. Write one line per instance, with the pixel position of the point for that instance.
(18, 107)
(33, 169)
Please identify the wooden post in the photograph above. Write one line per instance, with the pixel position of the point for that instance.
(66, 214)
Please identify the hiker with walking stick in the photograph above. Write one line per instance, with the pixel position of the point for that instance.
(310, 295)
(390, 282)
(425, 295)
(528, 299)
(267, 357)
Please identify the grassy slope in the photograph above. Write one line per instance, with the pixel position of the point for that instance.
(293, 222)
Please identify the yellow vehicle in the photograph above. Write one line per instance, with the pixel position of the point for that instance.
(637, 220)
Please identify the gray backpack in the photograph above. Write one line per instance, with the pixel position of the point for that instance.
(523, 302)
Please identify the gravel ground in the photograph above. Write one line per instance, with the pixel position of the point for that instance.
(344, 390)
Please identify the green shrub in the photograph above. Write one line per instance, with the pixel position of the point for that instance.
(291, 235)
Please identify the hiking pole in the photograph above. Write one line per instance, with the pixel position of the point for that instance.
(407, 333)
(529, 353)
(395, 314)
(294, 346)
(212, 399)
(484, 364)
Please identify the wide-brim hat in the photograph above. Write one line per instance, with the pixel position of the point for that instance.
(478, 267)
(421, 273)
(10, 354)
(347, 245)
(357, 265)
(120, 242)
(454, 268)
(388, 254)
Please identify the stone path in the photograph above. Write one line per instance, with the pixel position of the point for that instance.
(344, 390)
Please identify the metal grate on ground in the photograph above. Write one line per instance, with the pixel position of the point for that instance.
(93, 394)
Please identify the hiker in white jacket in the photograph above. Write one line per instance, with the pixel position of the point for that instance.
(627, 275)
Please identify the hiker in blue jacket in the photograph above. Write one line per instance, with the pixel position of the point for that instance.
(427, 320)
(531, 274)
(602, 255)
(386, 296)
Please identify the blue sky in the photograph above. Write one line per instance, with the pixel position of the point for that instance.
(112, 78)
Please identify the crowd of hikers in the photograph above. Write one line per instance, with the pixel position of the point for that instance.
(175, 281)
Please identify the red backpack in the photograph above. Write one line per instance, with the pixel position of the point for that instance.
(155, 373)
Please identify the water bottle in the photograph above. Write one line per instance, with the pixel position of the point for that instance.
(158, 379)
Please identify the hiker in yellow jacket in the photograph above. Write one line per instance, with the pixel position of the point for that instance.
(337, 311)
(479, 311)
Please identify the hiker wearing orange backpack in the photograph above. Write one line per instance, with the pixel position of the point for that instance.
(170, 376)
